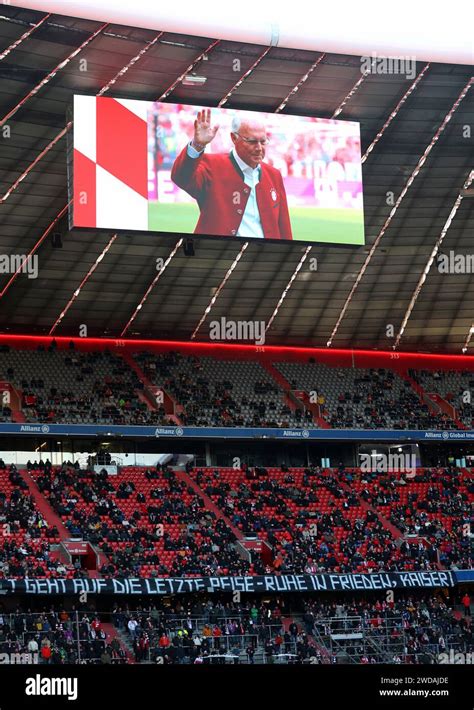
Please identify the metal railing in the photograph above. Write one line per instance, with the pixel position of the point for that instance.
(340, 639)
(71, 640)
(348, 639)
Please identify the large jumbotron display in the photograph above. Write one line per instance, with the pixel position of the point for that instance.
(163, 167)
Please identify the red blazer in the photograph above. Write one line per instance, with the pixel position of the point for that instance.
(217, 183)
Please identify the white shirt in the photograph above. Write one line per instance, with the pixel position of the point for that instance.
(251, 225)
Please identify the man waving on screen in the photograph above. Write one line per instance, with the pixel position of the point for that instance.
(237, 193)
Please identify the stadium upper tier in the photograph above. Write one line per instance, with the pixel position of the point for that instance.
(176, 388)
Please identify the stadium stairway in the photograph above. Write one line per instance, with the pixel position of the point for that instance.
(287, 620)
(147, 394)
(414, 385)
(315, 409)
(17, 415)
(292, 399)
(149, 389)
(396, 533)
(435, 402)
(386, 523)
(446, 408)
(366, 506)
(44, 507)
(54, 520)
(102, 560)
(283, 383)
(183, 476)
(113, 633)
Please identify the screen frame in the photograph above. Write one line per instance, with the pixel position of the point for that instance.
(192, 235)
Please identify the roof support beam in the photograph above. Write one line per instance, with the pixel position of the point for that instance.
(83, 282)
(287, 287)
(430, 261)
(219, 288)
(350, 94)
(298, 86)
(151, 286)
(30, 167)
(48, 229)
(60, 135)
(51, 74)
(24, 36)
(394, 209)
(244, 76)
(191, 67)
(395, 111)
(130, 64)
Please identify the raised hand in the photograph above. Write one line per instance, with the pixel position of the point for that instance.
(203, 131)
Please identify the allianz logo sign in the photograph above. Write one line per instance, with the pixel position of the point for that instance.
(169, 431)
(43, 428)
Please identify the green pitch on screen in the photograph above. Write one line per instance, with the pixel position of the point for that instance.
(335, 226)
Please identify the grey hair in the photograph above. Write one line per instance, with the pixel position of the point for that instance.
(236, 123)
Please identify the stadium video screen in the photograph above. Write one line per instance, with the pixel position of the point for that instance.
(162, 167)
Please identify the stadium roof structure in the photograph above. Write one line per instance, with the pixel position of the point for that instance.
(417, 174)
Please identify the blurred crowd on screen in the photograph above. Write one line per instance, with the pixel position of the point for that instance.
(299, 147)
